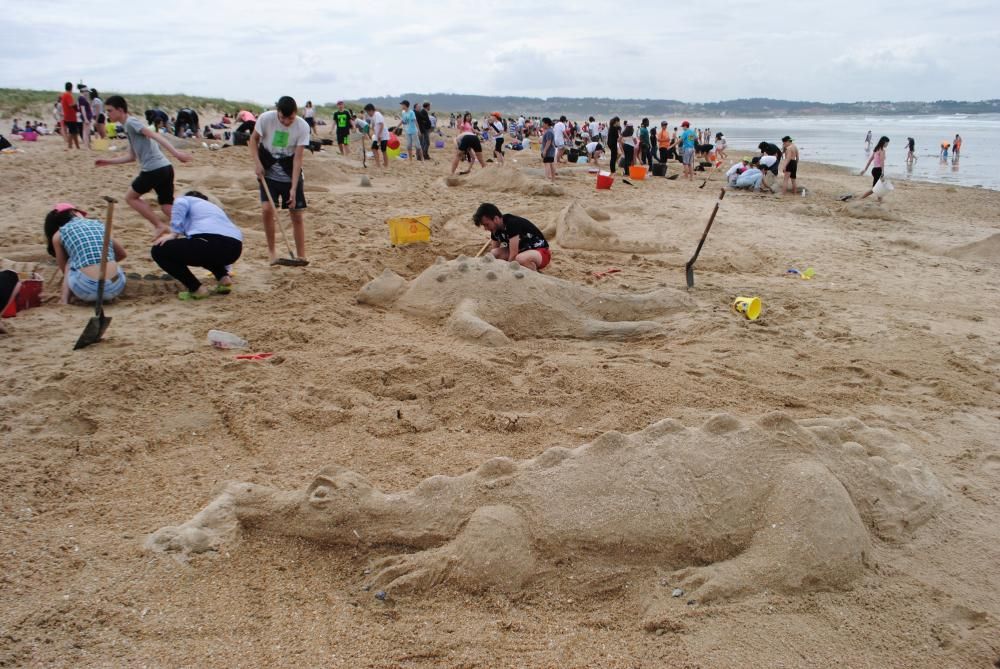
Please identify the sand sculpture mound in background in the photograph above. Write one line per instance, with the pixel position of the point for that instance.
(577, 228)
(776, 505)
(987, 250)
(490, 300)
(505, 179)
(878, 211)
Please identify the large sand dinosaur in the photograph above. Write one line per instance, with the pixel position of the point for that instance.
(490, 300)
(780, 505)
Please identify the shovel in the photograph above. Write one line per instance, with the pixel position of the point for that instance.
(98, 323)
(291, 260)
(689, 267)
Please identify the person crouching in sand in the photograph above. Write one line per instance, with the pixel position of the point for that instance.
(75, 241)
(513, 238)
(201, 236)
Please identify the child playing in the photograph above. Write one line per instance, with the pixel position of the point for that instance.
(549, 148)
(156, 172)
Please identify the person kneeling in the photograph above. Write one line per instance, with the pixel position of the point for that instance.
(751, 178)
(514, 238)
(201, 236)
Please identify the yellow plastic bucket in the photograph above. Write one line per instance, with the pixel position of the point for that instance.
(409, 229)
(748, 306)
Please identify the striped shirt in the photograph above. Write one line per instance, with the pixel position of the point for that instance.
(82, 239)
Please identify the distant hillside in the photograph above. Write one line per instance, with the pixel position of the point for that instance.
(19, 102)
(630, 107)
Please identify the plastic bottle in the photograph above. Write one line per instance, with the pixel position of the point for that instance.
(222, 339)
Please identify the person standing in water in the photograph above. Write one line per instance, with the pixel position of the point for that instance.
(911, 147)
(956, 147)
(868, 141)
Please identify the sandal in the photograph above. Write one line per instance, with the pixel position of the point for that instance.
(188, 295)
(223, 289)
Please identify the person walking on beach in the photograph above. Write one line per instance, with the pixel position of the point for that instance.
(498, 130)
(342, 126)
(645, 144)
(559, 133)
(201, 235)
(514, 239)
(877, 162)
(71, 129)
(99, 118)
(663, 141)
(309, 116)
(155, 171)
(868, 141)
(628, 143)
(791, 163)
(277, 147)
(614, 135)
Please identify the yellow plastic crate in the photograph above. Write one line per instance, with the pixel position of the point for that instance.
(409, 229)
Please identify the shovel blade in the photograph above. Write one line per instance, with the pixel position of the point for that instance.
(94, 331)
(689, 274)
(292, 262)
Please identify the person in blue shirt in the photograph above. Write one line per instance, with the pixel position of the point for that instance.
(201, 235)
(408, 119)
(687, 140)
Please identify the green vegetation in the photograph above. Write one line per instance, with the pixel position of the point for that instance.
(38, 104)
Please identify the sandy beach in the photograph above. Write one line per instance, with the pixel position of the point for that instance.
(898, 329)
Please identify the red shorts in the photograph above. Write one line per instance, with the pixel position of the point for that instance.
(546, 256)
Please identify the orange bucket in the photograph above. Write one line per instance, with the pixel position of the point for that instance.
(637, 172)
(604, 180)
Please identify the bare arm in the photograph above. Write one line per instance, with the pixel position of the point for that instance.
(121, 160)
(296, 171)
(120, 253)
(162, 141)
(870, 159)
(254, 145)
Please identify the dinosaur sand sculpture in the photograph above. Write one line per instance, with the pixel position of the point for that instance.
(490, 300)
(730, 508)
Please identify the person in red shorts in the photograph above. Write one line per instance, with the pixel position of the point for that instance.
(71, 123)
(514, 238)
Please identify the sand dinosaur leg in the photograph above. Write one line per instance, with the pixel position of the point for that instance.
(492, 550)
(811, 537)
(467, 324)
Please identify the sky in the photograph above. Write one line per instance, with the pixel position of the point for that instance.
(842, 51)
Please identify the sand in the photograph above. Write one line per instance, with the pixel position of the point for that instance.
(101, 447)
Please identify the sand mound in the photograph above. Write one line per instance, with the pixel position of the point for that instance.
(505, 179)
(986, 250)
(489, 300)
(809, 210)
(878, 211)
(575, 228)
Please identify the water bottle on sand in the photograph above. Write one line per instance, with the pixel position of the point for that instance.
(222, 339)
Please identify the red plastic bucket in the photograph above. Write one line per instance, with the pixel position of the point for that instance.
(604, 180)
(30, 294)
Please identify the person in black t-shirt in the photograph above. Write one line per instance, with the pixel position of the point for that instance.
(514, 238)
(342, 124)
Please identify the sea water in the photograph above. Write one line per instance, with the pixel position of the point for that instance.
(840, 140)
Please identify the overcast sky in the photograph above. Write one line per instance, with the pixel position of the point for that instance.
(840, 51)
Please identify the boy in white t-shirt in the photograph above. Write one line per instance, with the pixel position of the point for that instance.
(379, 133)
(278, 145)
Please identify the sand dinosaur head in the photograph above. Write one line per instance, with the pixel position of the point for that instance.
(334, 501)
(382, 290)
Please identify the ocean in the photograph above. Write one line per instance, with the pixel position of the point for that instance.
(840, 140)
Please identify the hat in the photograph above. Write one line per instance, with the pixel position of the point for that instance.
(786, 138)
(685, 124)
(66, 206)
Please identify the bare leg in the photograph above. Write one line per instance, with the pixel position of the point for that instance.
(267, 216)
(299, 233)
(142, 207)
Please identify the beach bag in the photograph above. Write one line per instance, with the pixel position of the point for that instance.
(882, 188)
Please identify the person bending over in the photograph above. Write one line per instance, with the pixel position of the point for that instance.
(201, 235)
(76, 241)
(514, 238)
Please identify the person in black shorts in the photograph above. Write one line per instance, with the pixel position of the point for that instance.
(791, 163)
(467, 142)
(10, 285)
(513, 238)
(342, 123)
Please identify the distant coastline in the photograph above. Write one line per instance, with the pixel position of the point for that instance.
(15, 101)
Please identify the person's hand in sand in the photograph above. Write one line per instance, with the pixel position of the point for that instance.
(514, 238)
